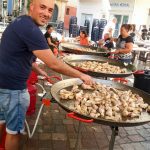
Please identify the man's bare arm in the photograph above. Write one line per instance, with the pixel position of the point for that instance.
(52, 62)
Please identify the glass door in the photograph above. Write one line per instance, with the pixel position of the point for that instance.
(125, 19)
(118, 24)
(121, 19)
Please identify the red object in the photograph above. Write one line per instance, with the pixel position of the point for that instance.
(46, 102)
(55, 51)
(72, 115)
(53, 77)
(84, 41)
(139, 72)
(113, 57)
(32, 91)
(2, 144)
(61, 53)
(121, 80)
(32, 78)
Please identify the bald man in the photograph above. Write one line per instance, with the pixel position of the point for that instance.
(21, 41)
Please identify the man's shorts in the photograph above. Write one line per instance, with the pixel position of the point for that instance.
(13, 107)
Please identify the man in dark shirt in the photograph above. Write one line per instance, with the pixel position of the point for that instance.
(21, 40)
(51, 42)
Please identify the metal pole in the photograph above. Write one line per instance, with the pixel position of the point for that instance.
(113, 136)
(77, 145)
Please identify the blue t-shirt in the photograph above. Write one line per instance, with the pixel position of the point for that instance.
(18, 41)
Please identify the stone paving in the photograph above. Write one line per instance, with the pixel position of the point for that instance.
(55, 131)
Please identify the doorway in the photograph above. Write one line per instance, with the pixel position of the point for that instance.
(55, 14)
(121, 19)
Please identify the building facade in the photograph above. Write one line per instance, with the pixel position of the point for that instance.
(126, 11)
(141, 13)
(131, 11)
(95, 9)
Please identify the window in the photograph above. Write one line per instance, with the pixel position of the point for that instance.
(67, 11)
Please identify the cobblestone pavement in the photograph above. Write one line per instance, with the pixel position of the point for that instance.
(55, 131)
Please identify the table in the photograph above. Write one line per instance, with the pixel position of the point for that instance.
(145, 43)
(139, 49)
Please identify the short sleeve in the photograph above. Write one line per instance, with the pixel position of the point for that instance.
(30, 34)
(119, 37)
(46, 35)
(129, 39)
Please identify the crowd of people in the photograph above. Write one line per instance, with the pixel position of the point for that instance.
(123, 44)
(145, 35)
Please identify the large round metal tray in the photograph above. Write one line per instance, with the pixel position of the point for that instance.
(144, 118)
(80, 58)
(73, 48)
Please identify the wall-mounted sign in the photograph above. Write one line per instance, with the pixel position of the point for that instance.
(119, 4)
(125, 5)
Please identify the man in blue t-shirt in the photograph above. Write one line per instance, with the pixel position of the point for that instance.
(21, 42)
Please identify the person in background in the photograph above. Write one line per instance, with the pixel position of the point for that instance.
(144, 32)
(110, 27)
(83, 38)
(1, 18)
(148, 34)
(53, 44)
(21, 41)
(132, 32)
(124, 44)
(107, 42)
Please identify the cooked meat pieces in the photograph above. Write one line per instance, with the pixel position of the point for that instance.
(105, 102)
(96, 66)
(68, 95)
(88, 87)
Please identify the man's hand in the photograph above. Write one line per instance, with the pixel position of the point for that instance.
(57, 65)
(87, 79)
